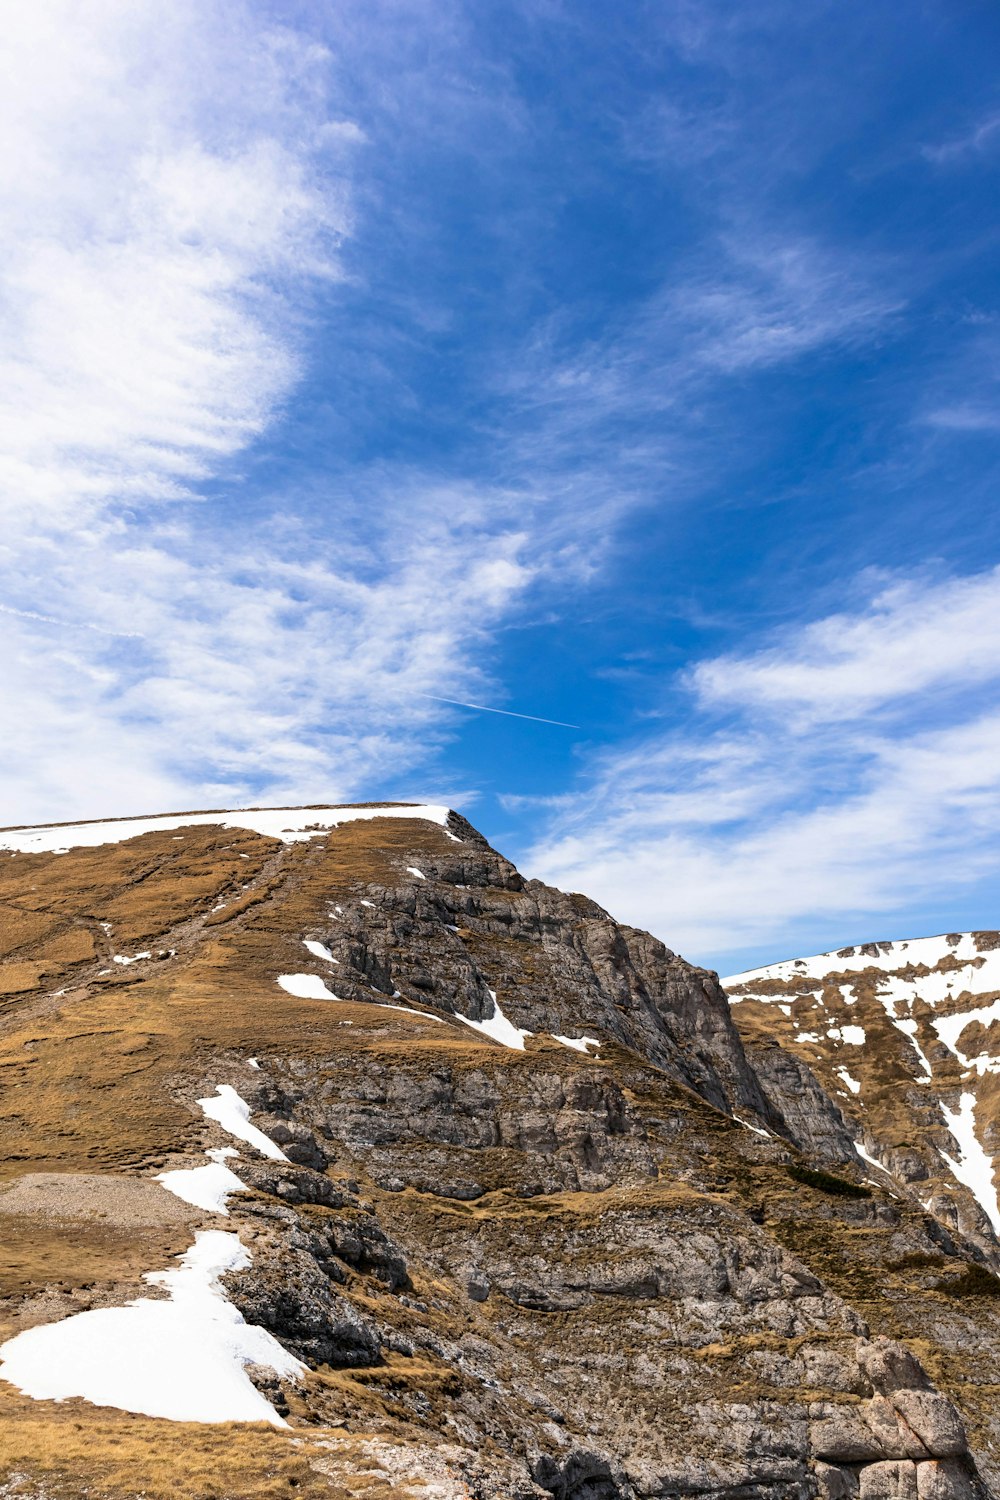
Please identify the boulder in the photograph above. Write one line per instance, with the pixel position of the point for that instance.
(894, 1480)
(835, 1483)
(944, 1479)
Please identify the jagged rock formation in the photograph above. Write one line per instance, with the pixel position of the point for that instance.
(533, 1216)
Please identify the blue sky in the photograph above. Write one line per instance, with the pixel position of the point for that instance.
(634, 367)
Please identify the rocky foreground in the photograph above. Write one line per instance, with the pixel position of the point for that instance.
(451, 1186)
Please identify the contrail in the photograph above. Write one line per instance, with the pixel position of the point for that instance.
(483, 708)
(33, 614)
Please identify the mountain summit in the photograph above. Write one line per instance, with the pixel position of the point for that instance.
(341, 1160)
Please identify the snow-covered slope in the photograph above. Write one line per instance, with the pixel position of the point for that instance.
(906, 1036)
(290, 824)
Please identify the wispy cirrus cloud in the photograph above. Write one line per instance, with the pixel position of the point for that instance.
(751, 301)
(980, 137)
(167, 180)
(251, 670)
(913, 638)
(177, 188)
(965, 396)
(827, 795)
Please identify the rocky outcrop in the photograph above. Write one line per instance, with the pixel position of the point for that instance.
(809, 1115)
(473, 928)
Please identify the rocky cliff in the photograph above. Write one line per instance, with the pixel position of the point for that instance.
(905, 1037)
(339, 1159)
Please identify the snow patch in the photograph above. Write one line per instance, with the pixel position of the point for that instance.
(578, 1043)
(860, 1149)
(319, 950)
(408, 1010)
(852, 1083)
(909, 1029)
(950, 1028)
(123, 958)
(306, 987)
(757, 1129)
(973, 1167)
(412, 870)
(233, 1114)
(205, 1187)
(854, 1036)
(498, 1028)
(182, 1359)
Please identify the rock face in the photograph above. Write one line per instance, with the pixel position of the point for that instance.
(905, 1036)
(534, 1215)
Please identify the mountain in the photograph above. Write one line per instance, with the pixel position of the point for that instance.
(341, 1160)
(905, 1036)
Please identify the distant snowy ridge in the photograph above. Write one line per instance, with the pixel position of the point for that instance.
(977, 951)
(941, 995)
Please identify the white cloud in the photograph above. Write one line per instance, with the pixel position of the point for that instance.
(913, 637)
(295, 677)
(981, 137)
(783, 297)
(815, 810)
(159, 189)
(749, 300)
(175, 185)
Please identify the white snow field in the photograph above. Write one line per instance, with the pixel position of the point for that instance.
(974, 1167)
(577, 1043)
(957, 969)
(498, 1028)
(181, 1358)
(233, 1114)
(205, 1187)
(290, 824)
(306, 987)
(978, 971)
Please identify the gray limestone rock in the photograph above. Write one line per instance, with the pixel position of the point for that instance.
(889, 1481)
(835, 1483)
(889, 1367)
(842, 1435)
(945, 1479)
(933, 1421)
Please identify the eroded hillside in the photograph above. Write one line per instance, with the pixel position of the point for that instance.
(449, 1185)
(906, 1038)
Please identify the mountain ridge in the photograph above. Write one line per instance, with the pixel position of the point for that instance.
(619, 1259)
(918, 998)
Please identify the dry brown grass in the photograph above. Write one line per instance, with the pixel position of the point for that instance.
(70, 1449)
(89, 1081)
